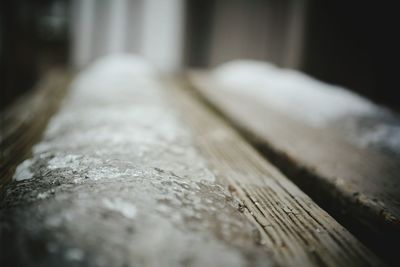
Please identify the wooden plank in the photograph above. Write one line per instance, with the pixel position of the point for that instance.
(126, 175)
(116, 181)
(358, 185)
(24, 121)
(292, 226)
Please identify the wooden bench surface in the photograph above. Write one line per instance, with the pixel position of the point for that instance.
(133, 170)
(359, 185)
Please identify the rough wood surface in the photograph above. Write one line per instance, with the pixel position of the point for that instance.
(23, 123)
(359, 186)
(132, 174)
(292, 226)
(117, 181)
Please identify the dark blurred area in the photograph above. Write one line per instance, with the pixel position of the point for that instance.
(355, 44)
(33, 38)
(350, 43)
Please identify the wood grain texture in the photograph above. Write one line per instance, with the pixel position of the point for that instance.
(116, 181)
(292, 226)
(24, 121)
(360, 187)
(129, 173)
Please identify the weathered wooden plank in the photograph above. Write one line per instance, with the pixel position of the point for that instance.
(359, 185)
(116, 181)
(129, 173)
(292, 226)
(23, 123)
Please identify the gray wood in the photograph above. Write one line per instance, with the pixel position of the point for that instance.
(292, 226)
(116, 181)
(129, 173)
(359, 185)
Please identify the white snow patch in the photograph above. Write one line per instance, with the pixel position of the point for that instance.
(43, 195)
(384, 135)
(64, 161)
(291, 92)
(23, 171)
(118, 107)
(74, 254)
(123, 64)
(121, 206)
(114, 77)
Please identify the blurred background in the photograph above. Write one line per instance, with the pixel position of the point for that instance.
(350, 43)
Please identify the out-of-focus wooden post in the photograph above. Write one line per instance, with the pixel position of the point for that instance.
(150, 28)
(162, 39)
(82, 28)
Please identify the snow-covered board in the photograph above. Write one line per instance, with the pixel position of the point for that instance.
(338, 147)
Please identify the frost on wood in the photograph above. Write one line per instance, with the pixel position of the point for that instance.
(116, 181)
(313, 102)
(23, 171)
